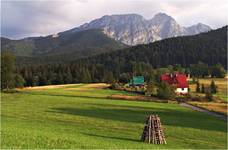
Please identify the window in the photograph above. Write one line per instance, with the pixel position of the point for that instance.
(182, 89)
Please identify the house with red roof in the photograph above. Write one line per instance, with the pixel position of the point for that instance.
(178, 80)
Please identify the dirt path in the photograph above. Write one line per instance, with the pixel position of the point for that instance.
(223, 117)
(97, 85)
(48, 86)
(136, 98)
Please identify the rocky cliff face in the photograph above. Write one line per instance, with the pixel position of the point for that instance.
(133, 29)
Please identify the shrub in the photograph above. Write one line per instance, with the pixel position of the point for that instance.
(114, 86)
(213, 87)
(165, 91)
(150, 89)
(208, 94)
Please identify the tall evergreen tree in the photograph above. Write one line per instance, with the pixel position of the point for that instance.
(218, 71)
(165, 91)
(86, 77)
(109, 77)
(197, 87)
(202, 88)
(68, 76)
(213, 87)
(7, 70)
(19, 81)
(208, 94)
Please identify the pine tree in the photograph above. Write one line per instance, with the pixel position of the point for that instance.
(197, 87)
(202, 88)
(208, 94)
(60, 79)
(165, 91)
(218, 71)
(35, 80)
(86, 77)
(213, 87)
(68, 77)
(7, 70)
(43, 80)
(19, 81)
(109, 77)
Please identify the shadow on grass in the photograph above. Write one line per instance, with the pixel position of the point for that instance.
(112, 137)
(64, 95)
(135, 114)
(92, 96)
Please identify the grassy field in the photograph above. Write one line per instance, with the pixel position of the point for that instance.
(220, 105)
(80, 116)
(221, 84)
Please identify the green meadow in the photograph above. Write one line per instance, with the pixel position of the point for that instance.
(81, 116)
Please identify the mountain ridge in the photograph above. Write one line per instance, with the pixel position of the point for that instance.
(80, 44)
(121, 30)
(209, 48)
(133, 29)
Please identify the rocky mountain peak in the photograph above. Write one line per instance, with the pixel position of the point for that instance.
(133, 29)
(161, 17)
(200, 27)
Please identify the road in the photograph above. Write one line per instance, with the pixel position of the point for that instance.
(223, 117)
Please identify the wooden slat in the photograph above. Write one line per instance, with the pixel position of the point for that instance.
(153, 132)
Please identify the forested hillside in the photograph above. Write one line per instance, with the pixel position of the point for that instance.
(206, 51)
(56, 48)
(209, 48)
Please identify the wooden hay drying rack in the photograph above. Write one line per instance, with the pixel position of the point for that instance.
(153, 132)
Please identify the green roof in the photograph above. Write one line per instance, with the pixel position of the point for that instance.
(137, 80)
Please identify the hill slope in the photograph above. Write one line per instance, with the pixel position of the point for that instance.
(74, 45)
(210, 48)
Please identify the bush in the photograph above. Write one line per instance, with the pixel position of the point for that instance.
(165, 91)
(208, 94)
(114, 86)
(150, 89)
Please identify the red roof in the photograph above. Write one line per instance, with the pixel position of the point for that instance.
(179, 80)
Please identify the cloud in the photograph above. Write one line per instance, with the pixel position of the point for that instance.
(24, 18)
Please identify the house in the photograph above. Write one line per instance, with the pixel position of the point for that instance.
(137, 81)
(178, 80)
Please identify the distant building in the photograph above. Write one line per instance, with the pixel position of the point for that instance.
(178, 80)
(137, 81)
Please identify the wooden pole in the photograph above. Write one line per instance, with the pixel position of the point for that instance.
(153, 132)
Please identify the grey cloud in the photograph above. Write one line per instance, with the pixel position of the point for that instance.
(34, 18)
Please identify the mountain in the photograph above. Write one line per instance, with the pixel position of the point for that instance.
(133, 29)
(195, 29)
(209, 48)
(74, 45)
(102, 35)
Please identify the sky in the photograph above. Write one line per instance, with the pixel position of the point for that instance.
(26, 18)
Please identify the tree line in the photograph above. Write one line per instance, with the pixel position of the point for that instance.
(85, 71)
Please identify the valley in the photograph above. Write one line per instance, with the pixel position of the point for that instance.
(113, 74)
(80, 116)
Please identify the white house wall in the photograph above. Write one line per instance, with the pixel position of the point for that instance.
(182, 90)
